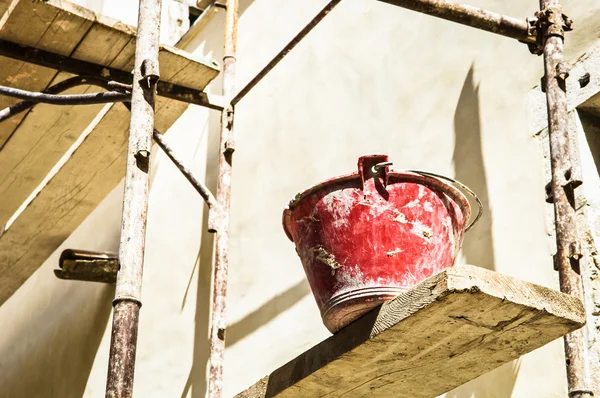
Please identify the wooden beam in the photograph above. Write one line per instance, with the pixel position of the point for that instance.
(84, 176)
(51, 174)
(46, 133)
(448, 330)
(42, 26)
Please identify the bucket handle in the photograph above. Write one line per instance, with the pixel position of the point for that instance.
(459, 185)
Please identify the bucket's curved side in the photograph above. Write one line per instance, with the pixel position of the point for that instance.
(347, 285)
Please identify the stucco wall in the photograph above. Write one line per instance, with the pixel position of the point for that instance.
(370, 78)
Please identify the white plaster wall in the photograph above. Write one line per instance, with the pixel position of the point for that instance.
(372, 77)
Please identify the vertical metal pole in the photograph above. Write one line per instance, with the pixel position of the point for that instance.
(568, 251)
(127, 301)
(226, 148)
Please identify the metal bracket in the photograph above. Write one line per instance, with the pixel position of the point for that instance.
(551, 21)
(150, 71)
(82, 265)
(230, 143)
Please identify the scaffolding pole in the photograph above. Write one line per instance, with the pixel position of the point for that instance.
(221, 264)
(553, 23)
(127, 302)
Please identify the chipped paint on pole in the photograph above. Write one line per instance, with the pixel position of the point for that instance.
(221, 263)
(128, 299)
(552, 22)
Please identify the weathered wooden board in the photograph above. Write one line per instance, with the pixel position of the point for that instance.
(48, 131)
(70, 193)
(38, 25)
(34, 226)
(446, 331)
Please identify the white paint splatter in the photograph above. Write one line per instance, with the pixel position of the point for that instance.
(401, 218)
(412, 203)
(394, 252)
(421, 230)
(339, 204)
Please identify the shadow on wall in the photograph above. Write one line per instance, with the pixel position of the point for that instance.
(266, 312)
(478, 247)
(54, 357)
(469, 168)
(197, 381)
(498, 383)
(590, 123)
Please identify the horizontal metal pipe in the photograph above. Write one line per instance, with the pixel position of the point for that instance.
(472, 16)
(202, 189)
(66, 84)
(65, 99)
(78, 67)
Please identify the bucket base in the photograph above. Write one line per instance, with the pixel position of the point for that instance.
(345, 308)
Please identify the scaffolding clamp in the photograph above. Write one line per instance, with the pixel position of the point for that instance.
(150, 71)
(550, 21)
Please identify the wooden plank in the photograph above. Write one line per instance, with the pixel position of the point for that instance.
(43, 26)
(41, 205)
(70, 192)
(48, 131)
(192, 74)
(448, 330)
(3, 7)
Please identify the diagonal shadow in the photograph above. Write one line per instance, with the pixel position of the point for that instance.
(266, 312)
(197, 381)
(54, 357)
(469, 168)
(478, 247)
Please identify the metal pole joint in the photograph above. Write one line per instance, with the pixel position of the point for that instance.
(550, 21)
(228, 114)
(150, 72)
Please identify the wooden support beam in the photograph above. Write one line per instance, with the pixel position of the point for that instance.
(47, 132)
(93, 166)
(51, 175)
(447, 330)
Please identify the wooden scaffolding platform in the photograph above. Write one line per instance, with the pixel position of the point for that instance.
(57, 163)
(448, 330)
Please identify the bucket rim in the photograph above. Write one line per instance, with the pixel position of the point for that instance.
(456, 194)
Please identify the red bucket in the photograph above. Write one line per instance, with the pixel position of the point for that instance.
(365, 237)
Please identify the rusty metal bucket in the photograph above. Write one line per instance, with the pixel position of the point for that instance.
(365, 237)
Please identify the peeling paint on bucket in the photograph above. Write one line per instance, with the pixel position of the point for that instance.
(365, 237)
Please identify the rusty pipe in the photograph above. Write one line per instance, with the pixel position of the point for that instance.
(472, 16)
(202, 189)
(221, 263)
(127, 302)
(568, 251)
(66, 84)
(78, 67)
(65, 99)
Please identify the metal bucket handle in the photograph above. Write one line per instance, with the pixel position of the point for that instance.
(459, 185)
